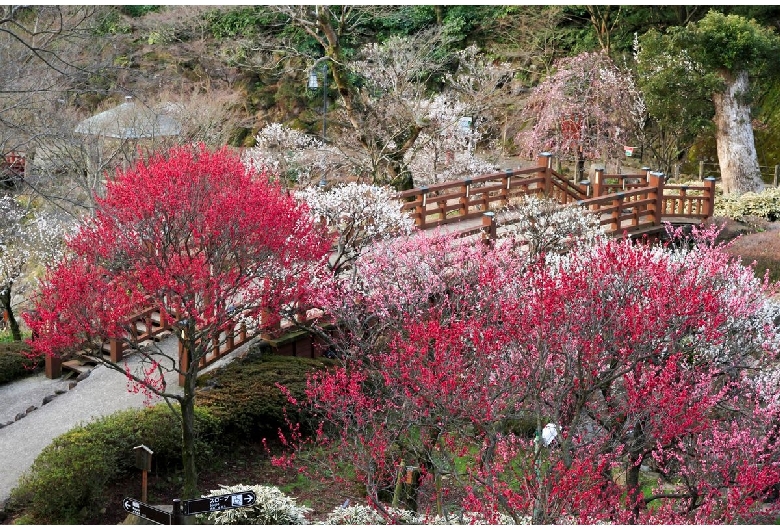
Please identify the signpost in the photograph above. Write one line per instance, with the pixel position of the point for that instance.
(147, 512)
(230, 501)
(221, 502)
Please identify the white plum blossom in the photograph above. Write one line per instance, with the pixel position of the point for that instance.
(28, 238)
(548, 227)
(294, 156)
(359, 214)
(271, 507)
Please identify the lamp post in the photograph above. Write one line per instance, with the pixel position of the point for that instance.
(313, 84)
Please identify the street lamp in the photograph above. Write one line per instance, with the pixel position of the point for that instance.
(313, 83)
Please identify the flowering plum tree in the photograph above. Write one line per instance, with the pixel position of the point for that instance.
(27, 238)
(640, 356)
(295, 156)
(587, 108)
(194, 233)
(359, 214)
(543, 225)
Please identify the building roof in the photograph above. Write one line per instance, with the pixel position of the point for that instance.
(132, 120)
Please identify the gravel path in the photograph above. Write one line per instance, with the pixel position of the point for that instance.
(35, 424)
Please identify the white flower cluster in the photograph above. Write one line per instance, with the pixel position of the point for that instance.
(291, 154)
(547, 227)
(27, 238)
(271, 507)
(359, 514)
(359, 214)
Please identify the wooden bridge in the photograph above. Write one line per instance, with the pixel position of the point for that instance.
(633, 204)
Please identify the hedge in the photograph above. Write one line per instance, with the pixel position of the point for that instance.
(244, 398)
(14, 364)
(68, 480)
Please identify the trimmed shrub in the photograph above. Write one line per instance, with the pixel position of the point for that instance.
(765, 205)
(244, 398)
(14, 364)
(271, 507)
(69, 478)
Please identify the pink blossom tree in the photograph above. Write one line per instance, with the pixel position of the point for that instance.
(623, 355)
(587, 108)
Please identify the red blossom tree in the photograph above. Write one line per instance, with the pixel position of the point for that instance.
(196, 234)
(638, 356)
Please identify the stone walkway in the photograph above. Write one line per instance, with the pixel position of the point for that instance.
(41, 409)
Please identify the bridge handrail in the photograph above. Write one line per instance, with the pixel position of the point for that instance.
(646, 194)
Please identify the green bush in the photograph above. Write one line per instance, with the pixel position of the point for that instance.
(68, 480)
(765, 205)
(14, 364)
(243, 395)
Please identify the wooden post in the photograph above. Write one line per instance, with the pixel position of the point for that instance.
(682, 200)
(464, 198)
(617, 204)
(701, 170)
(116, 349)
(598, 182)
(230, 333)
(709, 197)
(488, 227)
(506, 181)
(543, 163)
(777, 172)
(656, 181)
(422, 208)
(53, 366)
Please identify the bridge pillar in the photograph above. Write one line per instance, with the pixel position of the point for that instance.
(598, 182)
(488, 228)
(709, 194)
(543, 162)
(655, 180)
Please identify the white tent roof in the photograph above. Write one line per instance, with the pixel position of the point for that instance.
(131, 120)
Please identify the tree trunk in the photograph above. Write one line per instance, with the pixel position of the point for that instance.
(739, 169)
(5, 305)
(188, 432)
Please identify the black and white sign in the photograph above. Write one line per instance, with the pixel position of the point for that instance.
(147, 512)
(221, 502)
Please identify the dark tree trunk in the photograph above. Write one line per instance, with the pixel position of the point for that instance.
(5, 304)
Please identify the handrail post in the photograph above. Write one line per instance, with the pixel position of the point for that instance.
(647, 174)
(421, 208)
(598, 182)
(655, 180)
(709, 197)
(617, 204)
(543, 162)
(464, 198)
(506, 182)
(488, 228)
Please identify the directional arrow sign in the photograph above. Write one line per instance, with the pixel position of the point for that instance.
(147, 512)
(221, 502)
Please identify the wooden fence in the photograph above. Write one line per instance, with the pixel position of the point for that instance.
(629, 204)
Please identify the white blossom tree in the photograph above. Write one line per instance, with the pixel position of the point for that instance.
(295, 156)
(27, 238)
(360, 214)
(547, 227)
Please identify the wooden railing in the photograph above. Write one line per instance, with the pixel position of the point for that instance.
(625, 203)
(226, 341)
